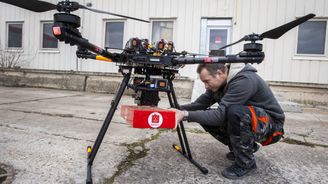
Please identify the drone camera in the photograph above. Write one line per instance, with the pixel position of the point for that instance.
(151, 83)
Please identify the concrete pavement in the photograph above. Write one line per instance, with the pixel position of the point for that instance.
(44, 134)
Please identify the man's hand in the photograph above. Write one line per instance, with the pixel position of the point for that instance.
(179, 115)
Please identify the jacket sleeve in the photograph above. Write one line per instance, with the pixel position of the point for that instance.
(239, 91)
(201, 103)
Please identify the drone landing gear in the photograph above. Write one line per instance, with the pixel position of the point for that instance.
(184, 149)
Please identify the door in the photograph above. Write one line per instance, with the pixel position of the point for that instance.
(215, 33)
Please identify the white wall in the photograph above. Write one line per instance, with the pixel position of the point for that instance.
(280, 63)
(248, 16)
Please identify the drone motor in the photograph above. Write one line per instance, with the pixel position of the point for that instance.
(69, 19)
(253, 47)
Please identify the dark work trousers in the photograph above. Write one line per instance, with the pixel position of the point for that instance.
(244, 126)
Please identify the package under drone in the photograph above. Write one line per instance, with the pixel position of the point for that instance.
(148, 117)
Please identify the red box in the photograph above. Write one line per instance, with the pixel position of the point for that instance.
(148, 117)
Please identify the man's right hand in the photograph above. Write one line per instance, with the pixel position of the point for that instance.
(179, 116)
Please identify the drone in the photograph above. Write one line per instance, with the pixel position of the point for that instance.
(141, 58)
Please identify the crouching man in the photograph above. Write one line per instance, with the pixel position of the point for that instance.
(247, 113)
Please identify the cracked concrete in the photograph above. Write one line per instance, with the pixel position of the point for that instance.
(61, 115)
(44, 135)
(303, 143)
(136, 151)
(7, 174)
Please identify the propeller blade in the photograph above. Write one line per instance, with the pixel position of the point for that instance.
(32, 5)
(242, 39)
(109, 13)
(279, 31)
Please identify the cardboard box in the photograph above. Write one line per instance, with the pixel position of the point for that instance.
(148, 117)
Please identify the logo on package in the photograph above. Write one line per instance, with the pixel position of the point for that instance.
(155, 120)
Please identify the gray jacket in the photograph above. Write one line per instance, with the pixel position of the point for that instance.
(245, 88)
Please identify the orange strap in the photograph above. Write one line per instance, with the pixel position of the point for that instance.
(254, 119)
(264, 119)
(269, 140)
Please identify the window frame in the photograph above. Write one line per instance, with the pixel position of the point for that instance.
(104, 31)
(305, 56)
(14, 49)
(173, 20)
(41, 38)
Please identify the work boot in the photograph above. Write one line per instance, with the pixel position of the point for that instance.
(237, 172)
(231, 155)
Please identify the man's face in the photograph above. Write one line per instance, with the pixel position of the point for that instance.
(211, 82)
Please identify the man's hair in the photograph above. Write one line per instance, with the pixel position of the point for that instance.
(212, 68)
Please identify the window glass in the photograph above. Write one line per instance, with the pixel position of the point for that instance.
(15, 35)
(114, 34)
(311, 37)
(48, 39)
(162, 30)
(218, 38)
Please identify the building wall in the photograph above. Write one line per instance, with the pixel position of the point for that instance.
(248, 16)
(281, 63)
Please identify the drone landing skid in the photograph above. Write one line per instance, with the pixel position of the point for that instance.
(184, 149)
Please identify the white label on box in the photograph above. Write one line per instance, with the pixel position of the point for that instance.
(155, 120)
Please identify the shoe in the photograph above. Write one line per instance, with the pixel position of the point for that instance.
(256, 147)
(237, 172)
(231, 155)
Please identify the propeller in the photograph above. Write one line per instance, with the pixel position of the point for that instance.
(32, 5)
(279, 31)
(109, 13)
(66, 6)
(273, 33)
(231, 44)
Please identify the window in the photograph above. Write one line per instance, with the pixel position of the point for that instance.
(215, 33)
(217, 38)
(48, 39)
(114, 34)
(312, 38)
(162, 30)
(15, 35)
